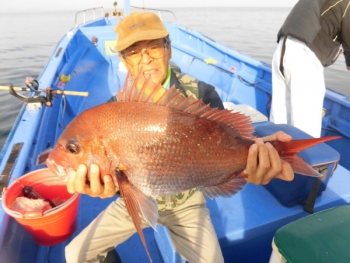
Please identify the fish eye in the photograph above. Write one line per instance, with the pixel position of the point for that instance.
(72, 147)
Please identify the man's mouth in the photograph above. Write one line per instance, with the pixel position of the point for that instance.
(147, 73)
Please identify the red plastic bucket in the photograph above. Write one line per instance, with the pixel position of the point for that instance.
(53, 226)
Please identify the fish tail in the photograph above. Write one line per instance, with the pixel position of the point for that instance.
(138, 204)
(288, 152)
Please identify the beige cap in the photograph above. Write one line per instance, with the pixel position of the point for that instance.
(139, 26)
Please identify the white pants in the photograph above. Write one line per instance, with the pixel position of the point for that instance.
(189, 225)
(297, 97)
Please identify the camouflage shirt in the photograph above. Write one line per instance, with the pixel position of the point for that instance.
(200, 90)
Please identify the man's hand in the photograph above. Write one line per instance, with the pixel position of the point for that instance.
(348, 68)
(77, 182)
(264, 163)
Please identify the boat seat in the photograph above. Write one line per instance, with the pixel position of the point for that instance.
(321, 237)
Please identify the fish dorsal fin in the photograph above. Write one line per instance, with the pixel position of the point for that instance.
(149, 92)
(173, 98)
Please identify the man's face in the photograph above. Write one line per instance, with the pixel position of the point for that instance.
(149, 56)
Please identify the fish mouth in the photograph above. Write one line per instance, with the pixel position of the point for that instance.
(57, 169)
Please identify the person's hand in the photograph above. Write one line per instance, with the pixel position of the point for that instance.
(77, 182)
(348, 68)
(264, 163)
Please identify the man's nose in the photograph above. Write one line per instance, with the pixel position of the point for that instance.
(145, 59)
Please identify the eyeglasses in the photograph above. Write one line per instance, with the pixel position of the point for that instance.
(155, 51)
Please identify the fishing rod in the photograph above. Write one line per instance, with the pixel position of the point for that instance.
(32, 85)
(65, 92)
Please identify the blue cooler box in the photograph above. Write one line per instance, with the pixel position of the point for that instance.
(303, 189)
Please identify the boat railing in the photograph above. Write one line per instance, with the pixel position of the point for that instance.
(159, 11)
(90, 11)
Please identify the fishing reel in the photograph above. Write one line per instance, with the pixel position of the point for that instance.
(37, 100)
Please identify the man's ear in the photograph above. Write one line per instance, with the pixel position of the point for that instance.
(170, 51)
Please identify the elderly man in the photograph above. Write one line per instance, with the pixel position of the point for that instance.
(144, 46)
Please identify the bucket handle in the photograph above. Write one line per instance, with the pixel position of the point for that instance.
(54, 208)
(33, 214)
(39, 213)
(59, 206)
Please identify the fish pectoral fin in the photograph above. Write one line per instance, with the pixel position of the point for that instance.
(138, 204)
(226, 189)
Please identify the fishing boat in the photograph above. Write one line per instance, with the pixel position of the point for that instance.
(84, 71)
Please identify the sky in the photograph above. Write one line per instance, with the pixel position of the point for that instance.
(51, 5)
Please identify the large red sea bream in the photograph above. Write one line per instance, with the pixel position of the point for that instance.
(156, 142)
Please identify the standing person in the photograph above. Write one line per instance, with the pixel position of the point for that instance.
(143, 44)
(309, 40)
